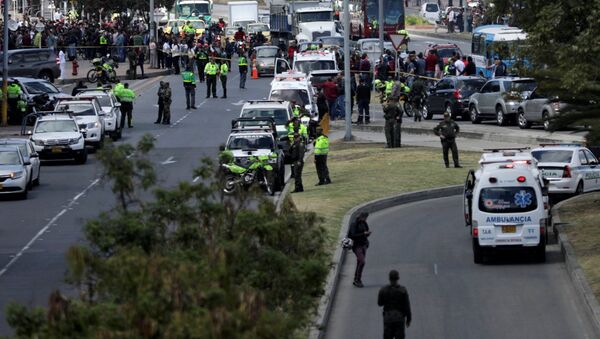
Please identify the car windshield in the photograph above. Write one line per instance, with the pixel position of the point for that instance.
(313, 65)
(103, 99)
(56, 126)
(446, 52)
(40, 87)
(266, 52)
(553, 156)
(522, 86)
(507, 199)
(279, 114)
(9, 158)
(83, 109)
(319, 79)
(250, 142)
(431, 8)
(336, 41)
(300, 96)
(314, 16)
(258, 28)
(473, 85)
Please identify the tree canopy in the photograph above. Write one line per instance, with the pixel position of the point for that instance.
(188, 262)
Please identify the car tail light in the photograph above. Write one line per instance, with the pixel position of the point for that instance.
(567, 172)
(475, 232)
(521, 178)
(543, 225)
(457, 94)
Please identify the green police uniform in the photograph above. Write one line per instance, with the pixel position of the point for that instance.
(189, 84)
(126, 97)
(13, 94)
(211, 70)
(201, 60)
(223, 71)
(321, 152)
(447, 131)
(243, 68)
(297, 157)
(302, 130)
(393, 121)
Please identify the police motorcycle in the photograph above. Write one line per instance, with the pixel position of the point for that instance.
(104, 70)
(258, 171)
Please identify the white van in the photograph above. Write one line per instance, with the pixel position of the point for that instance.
(295, 86)
(430, 11)
(506, 205)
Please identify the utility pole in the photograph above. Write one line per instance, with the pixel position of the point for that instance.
(152, 25)
(380, 26)
(5, 66)
(347, 74)
(465, 18)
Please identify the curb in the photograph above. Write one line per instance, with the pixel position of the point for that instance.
(575, 270)
(120, 77)
(288, 186)
(445, 36)
(490, 136)
(321, 319)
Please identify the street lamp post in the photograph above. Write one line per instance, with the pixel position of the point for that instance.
(5, 66)
(347, 74)
(151, 19)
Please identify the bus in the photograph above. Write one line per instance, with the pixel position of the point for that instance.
(393, 11)
(496, 40)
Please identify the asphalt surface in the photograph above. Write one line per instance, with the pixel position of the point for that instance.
(451, 297)
(36, 233)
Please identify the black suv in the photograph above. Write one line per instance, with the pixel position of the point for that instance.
(451, 94)
(32, 63)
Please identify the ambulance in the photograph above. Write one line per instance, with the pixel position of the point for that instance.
(506, 205)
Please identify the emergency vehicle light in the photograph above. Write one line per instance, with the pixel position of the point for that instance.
(521, 178)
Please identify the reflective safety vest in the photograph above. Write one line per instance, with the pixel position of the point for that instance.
(303, 131)
(103, 40)
(322, 145)
(403, 32)
(389, 86)
(210, 68)
(188, 78)
(224, 69)
(127, 95)
(375, 23)
(22, 105)
(13, 91)
(243, 61)
(200, 55)
(117, 89)
(190, 30)
(296, 111)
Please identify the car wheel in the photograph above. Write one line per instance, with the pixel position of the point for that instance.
(36, 182)
(579, 189)
(500, 116)
(92, 76)
(539, 252)
(230, 184)
(475, 119)
(46, 75)
(522, 121)
(408, 109)
(546, 121)
(427, 115)
(81, 158)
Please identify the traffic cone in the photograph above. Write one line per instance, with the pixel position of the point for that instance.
(254, 70)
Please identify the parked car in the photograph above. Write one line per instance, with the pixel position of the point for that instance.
(33, 62)
(29, 155)
(451, 94)
(14, 177)
(499, 99)
(444, 51)
(538, 109)
(89, 117)
(265, 59)
(111, 111)
(32, 87)
(430, 11)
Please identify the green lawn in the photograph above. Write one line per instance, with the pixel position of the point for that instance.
(365, 172)
(583, 231)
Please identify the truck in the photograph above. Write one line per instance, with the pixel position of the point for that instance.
(242, 13)
(194, 9)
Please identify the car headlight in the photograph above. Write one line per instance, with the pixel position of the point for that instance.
(16, 175)
(74, 141)
(272, 160)
(261, 64)
(92, 125)
(38, 142)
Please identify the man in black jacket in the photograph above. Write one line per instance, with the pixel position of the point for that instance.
(363, 99)
(447, 131)
(396, 308)
(359, 233)
(297, 156)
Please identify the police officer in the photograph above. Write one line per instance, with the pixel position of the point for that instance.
(189, 83)
(389, 86)
(211, 70)
(447, 131)
(164, 104)
(396, 308)
(243, 67)
(294, 126)
(418, 97)
(201, 60)
(126, 97)
(297, 157)
(321, 151)
(223, 71)
(393, 122)
(13, 93)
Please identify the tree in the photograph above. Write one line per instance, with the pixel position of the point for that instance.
(188, 263)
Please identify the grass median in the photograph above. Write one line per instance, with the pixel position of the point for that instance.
(365, 172)
(583, 231)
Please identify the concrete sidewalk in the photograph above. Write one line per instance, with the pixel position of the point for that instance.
(439, 33)
(86, 65)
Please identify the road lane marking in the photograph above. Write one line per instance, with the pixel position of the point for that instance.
(435, 269)
(196, 179)
(51, 223)
(168, 161)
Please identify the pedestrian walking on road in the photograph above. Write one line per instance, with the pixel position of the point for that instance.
(189, 84)
(359, 233)
(321, 151)
(243, 68)
(363, 100)
(396, 308)
(297, 156)
(126, 97)
(211, 70)
(447, 131)
(392, 114)
(223, 71)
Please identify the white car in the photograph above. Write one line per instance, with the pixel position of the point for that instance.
(29, 155)
(88, 115)
(14, 177)
(569, 168)
(431, 12)
(111, 112)
(294, 86)
(57, 136)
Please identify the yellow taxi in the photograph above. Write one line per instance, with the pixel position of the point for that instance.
(259, 27)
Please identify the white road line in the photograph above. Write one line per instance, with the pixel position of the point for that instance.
(196, 179)
(435, 269)
(48, 225)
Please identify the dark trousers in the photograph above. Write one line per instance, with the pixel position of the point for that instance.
(201, 65)
(190, 96)
(361, 255)
(450, 144)
(322, 170)
(126, 110)
(160, 58)
(332, 111)
(224, 84)
(211, 85)
(243, 79)
(389, 133)
(297, 174)
(393, 330)
(176, 66)
(363, 109)
(397, 134)
(168, 61)
(161, 109)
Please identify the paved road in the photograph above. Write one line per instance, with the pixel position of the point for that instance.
(35, 234)
(451, 297)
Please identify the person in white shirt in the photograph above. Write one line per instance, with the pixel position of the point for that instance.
(175, 52)
(459, 65)
(167, 54)
(61, 63)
